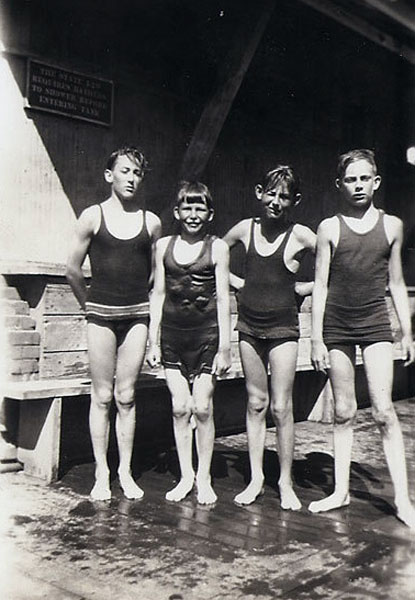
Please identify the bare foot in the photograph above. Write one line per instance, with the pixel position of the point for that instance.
(289, 499)
(406, 513)
(101, 490)
(205, 493)
(182, 489)
(332, 502)
(131, 490)
(251, 493)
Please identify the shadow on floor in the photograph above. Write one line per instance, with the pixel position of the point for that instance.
(313, 475)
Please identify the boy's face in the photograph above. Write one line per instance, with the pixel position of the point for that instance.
(193, 215)
(125, 177)
(275, 202)
(359, 183)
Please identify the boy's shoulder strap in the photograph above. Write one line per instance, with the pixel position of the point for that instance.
(210, 238)
(145, 228)
(290, 227)
(101, 216)
(285, 239)
(252, 229)
(170, 243)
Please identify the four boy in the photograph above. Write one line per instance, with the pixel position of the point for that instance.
(358, 255)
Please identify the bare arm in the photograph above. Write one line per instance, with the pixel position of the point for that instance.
(319, 354)
(157, 298)
(154, 229)
(85, 229)
(305, 240)
(238, 233)
(220, 253)
(398, 289)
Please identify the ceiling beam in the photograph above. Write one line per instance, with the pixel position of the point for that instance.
(356, 23)
(398, 11)
(214, 114)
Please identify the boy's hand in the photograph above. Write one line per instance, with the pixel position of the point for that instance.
(319, 356)
(304, 288)
(154, 356)
(221, 363)
(408, 350)
(236, 282)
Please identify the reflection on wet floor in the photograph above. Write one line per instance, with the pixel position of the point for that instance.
(59, 544)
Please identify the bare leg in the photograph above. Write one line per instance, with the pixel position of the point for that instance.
(378, 361)
(102, 356)
(129, 361)
(283, 360)
(342, 380)
(256, 380)
(183, 433)
(203, 388)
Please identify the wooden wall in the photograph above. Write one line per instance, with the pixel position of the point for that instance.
(52, 166)
(313, 89)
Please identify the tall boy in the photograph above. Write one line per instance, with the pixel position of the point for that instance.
(190, 300)
(358, 254)
(118, 236)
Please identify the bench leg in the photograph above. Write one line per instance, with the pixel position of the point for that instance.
(38, 439)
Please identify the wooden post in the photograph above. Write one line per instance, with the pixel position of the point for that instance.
(39, 437)
(217, 109)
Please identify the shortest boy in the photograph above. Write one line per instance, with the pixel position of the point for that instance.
(190, 300)
(358, 254)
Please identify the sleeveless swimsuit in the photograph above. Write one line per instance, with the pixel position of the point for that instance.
(267, 307)
(120, 273)
(356, 311)
(189, 327)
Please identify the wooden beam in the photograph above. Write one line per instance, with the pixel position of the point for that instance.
(398, 11)
(352, 21)
(217, 109)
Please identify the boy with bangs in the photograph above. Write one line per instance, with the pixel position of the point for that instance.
(118, 236)
(190, 305)
(358, 255)
(268, 323)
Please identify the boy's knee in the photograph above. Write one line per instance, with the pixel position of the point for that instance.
(203, 412)
(384, 417)
(257, 403)
(344, 413)
(281, 412)
(180, 410)
(124, 397)
(102, 397)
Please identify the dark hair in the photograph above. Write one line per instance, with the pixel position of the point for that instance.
(281, 173)
(194, 191)
(353, 156)
(132, 152)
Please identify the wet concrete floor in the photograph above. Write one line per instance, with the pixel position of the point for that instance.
(57, 545)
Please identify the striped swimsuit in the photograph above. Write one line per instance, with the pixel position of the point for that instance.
(120, 273)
